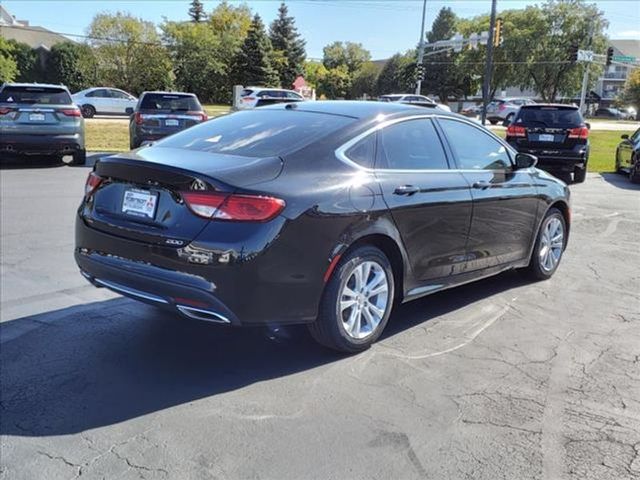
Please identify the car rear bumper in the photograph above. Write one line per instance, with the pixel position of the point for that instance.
(557, 160)
(225, 279)
(187, 294)
(48, 144)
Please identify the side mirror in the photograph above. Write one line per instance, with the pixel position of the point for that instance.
(624, 136)
(128, 111)
(525, 160)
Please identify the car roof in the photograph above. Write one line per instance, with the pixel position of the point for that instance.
(553, 105)
(270, 88)
(158, 92)
(41, 85)
(357, 108)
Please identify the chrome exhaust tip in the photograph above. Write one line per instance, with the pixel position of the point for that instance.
(201, 314)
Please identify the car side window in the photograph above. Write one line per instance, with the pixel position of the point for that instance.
(475, 149)
(119, 94)
(363, 152)
(410, 145)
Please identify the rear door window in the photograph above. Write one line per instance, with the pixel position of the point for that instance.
(35, 95)
(411, 145)
(549, 117)
(363, 152)
(257, 133)
(170, 102)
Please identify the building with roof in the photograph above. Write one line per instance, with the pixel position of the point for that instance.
(21, 31)
(611, 83)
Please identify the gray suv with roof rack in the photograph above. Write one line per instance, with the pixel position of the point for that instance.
(40, 119)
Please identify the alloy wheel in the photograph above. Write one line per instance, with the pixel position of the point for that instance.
(364, 299)
(551, 244)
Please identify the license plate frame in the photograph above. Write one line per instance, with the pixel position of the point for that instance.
(546, 137)
(36, 117)
(139, 203)
(171, 122)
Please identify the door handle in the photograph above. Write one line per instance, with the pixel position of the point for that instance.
(406, 190)
(482, 185)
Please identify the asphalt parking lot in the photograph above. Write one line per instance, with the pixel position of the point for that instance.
(501, 379)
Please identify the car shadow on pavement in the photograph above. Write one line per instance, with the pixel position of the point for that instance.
(98, 364)
(620, 180)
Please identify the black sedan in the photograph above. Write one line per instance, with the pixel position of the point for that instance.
(628, 156)
(326, 213)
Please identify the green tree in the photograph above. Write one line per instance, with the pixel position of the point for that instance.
(8, 66)
(631, 92)
(196, 11)
(398, 74)
(335, 83)
(365, 80)
(129, 54)
(197, 64)
(73, 65)
(348, 54)
(313, 72)
(442, 76)
(27, 61)
(288, 45)
(254, 60)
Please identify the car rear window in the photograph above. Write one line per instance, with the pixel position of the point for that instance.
(170, 102)
(33, 95)
(561, 117)
(246, 92)
(257, 133)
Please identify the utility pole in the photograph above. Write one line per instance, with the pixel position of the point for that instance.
(585, 76)
(421, 47)
(486, 85)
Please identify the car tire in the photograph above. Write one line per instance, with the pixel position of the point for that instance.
(79, 158)
(493, 121)
(618, 168)
(350, 319)
(541, 266)
(88, 111)
(579, 174)
(634, 172)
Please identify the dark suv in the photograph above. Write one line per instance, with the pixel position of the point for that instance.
(160, 114)
(556, 134)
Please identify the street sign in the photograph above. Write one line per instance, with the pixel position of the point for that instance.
(623, 58)
(585, 56)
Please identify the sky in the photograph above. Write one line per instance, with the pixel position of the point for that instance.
(384, 27)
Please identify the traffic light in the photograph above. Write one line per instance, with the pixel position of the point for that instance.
(497, 33)
(609, 56)
(420, 72)
(573, 53)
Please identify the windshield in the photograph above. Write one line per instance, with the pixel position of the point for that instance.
(561, 117)
(33, 95)
(170, 102)
(257, 133)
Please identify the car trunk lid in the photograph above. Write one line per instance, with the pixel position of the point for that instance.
(142, 194)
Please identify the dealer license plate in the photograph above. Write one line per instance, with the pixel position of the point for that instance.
(140, 203)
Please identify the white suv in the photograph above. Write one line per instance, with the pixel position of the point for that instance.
(418, 100)
(104, 100)
(252, 97)
(505, 109)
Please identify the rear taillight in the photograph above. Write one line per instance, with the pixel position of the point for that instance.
(248, 99)
(580, 132)
(71, 112)
(93, 182)
(5, 110)
(516, 131)
(138, 118)
(224, 206)
(203, 116)
(501, 107)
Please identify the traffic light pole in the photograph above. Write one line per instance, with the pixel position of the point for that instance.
(486, 85)
(585, 76)
(421, 47)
